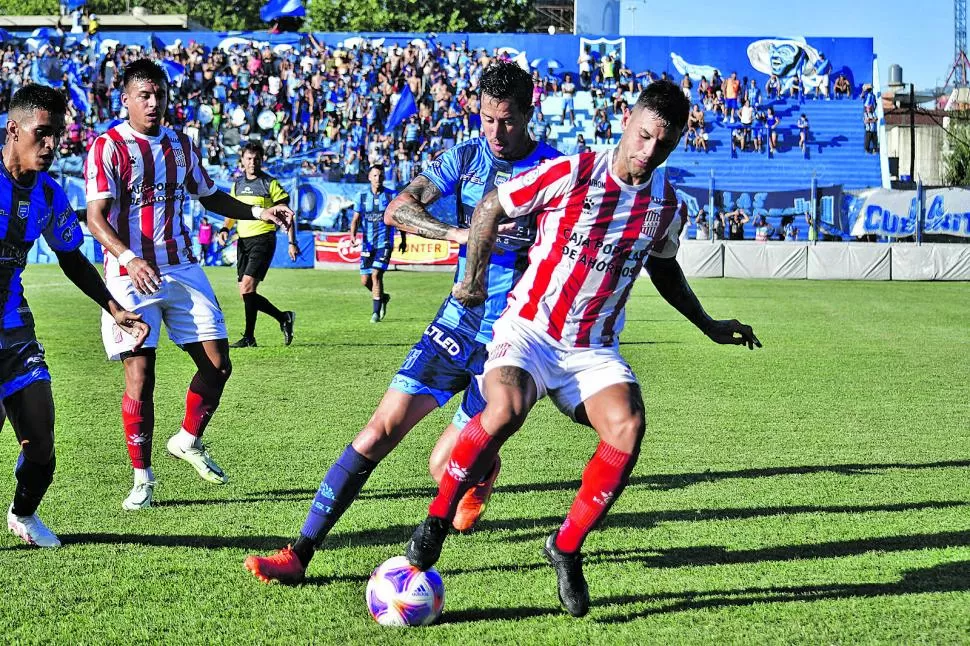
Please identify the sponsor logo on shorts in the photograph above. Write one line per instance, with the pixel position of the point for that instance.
(411, 359)
(443, 339)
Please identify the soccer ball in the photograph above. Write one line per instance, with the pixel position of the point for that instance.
(399, 594)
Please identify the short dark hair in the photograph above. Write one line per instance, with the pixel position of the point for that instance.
(506, 81)
(38, 97)
(143, 69)
(255, 148)
(666, 100)
(379, 167)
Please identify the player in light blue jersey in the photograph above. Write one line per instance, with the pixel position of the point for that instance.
(451, 353)
(378, 239)
(32, 205)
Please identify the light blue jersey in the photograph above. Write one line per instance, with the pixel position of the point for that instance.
(468, 172)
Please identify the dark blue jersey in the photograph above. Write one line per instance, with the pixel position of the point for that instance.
(468, 172)
(377, 235)
(26, 213)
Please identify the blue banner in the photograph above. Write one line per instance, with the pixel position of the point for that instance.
(896, 214)
(754, 57)
(775, 206)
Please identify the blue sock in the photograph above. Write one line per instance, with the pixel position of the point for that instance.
(33, 479)
(377, 306)
(336, 493)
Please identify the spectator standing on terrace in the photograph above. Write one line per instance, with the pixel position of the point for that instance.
(568, 97)
(734, 222)
(871, 124)
(822, 70)
(802, 125)
(585, 62)
(687, 86)
(771, 123)
(747, 121)
(731, 89)
(772, 87)
(762, 230)
(702, 228)
(752, 94)
(602, 128)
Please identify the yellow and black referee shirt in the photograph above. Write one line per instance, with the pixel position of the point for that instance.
(264, 191)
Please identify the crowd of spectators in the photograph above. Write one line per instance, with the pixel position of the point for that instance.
(324, 106)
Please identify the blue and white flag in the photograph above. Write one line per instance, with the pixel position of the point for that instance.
(403, 109)
(275, 9)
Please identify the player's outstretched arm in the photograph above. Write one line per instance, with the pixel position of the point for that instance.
(83, 274)
(227, 206)
(481, 239)
(408, 212)
(671, 283)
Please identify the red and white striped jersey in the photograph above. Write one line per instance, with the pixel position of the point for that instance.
(595, 233)
(149, 179)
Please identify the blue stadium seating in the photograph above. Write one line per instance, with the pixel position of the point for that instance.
(835, 153)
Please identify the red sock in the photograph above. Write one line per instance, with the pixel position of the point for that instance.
(474, 453)
(139, 420)
(201, 402)
(603, 480)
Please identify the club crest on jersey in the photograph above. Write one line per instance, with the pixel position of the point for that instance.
(23, 209)
(501, 177)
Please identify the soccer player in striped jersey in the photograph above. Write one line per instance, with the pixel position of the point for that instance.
(32, 205)
(378, 239)
(603, 217)
(451, 353)
(139, 176)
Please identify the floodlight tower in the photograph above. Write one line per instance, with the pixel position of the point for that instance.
(958, 71)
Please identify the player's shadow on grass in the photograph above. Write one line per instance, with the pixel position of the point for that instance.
(708, 555)
(946, 577)
(669, 481)
(533, 528)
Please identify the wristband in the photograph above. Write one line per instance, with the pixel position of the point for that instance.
(294, 244)
(125, 257)
(257, 211)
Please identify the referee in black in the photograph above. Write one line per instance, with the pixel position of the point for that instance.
(257, 243)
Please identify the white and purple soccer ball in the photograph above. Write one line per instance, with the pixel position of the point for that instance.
(399, 594)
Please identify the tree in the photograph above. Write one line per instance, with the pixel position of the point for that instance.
(956, 154)
(420, 15)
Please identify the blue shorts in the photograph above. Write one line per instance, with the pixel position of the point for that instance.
(731, 104)
(442, 364)
(21, 365)
(374, 259)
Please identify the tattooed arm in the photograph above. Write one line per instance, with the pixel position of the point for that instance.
(670, 282)
(408, 212)
(481, 239)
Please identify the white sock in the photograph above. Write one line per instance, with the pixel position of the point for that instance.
(144, 475)
(185, 440)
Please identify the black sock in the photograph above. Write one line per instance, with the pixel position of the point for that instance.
(377, 306)
(33, 479)
(263, 304)
(304, 550)
(251, 308)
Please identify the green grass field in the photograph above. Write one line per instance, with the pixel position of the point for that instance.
(815, 491)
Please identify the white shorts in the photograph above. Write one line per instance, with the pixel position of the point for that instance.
(568, 375)
(185, 303)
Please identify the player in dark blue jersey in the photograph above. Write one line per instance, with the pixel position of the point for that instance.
(32, 205)
(451, 353)
(378, 239)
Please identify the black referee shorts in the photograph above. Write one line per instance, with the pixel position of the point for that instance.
(255, 254)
